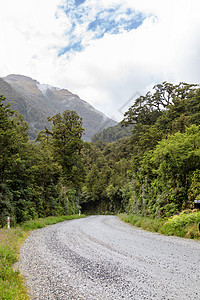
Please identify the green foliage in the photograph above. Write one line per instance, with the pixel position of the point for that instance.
(11, 283)
(155, 172)
(13, 157)
(167, 172)
(167, 110)
(39, 179)
(183, 225)
(194, 190)
(147, 109)
(66, 140)
(106, 172)
(6, 208)
(112, 134)
(145, 223)
(43, 222)
(68, 201)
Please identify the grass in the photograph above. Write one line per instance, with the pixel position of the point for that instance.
(143, 222)
(183, 225)
(40, 223)
(12, 285)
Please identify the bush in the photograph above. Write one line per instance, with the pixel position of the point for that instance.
(183, 225)
(143, 222)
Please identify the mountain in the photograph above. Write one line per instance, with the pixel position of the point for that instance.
(37, 101)
(113, 134)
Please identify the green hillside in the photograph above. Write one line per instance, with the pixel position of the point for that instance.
(112, 134)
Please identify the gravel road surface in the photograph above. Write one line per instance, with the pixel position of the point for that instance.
(100, 257)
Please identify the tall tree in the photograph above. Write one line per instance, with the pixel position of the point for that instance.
(147, 109)
(67, 144)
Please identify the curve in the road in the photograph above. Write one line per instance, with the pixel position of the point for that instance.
(100, 257)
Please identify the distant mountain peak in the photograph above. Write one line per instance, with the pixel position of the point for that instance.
(44, 88)
(38, 101)
(17, 77)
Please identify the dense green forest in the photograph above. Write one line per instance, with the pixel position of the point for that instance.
(41, 178)
(112, 134)
(154, 172)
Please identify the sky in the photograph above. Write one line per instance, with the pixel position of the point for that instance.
(108, 52)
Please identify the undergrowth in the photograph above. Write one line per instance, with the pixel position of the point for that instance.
(184, 224)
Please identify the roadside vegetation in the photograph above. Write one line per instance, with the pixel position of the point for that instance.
(12, 285)
(43, 222)
(183, 225)
(154, 173)
(11, 282)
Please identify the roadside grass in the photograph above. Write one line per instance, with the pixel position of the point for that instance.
(40, 223)
(11, 282)
(183, 225)
(143, 222)
(12, 285)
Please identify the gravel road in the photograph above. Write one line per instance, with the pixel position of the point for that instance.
(100, 257)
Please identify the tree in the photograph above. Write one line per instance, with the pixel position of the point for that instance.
(7, 129)
(147, 109)
(14, 162)
(167, 172)
(67, 144)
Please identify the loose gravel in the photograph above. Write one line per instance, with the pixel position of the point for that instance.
(100, 257)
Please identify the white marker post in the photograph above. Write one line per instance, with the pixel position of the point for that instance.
(8, 222)
(79, 213)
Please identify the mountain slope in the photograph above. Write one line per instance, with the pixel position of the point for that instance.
(112, 134)
(37, 101)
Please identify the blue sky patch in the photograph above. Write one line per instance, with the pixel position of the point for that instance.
(90, 22)
(108, 23)
(79, 2)
(76, 47)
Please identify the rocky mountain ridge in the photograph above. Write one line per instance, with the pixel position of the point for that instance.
(36, 101)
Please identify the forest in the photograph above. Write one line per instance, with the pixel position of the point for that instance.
(154, 170)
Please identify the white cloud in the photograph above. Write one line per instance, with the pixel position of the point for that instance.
(110, 70)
